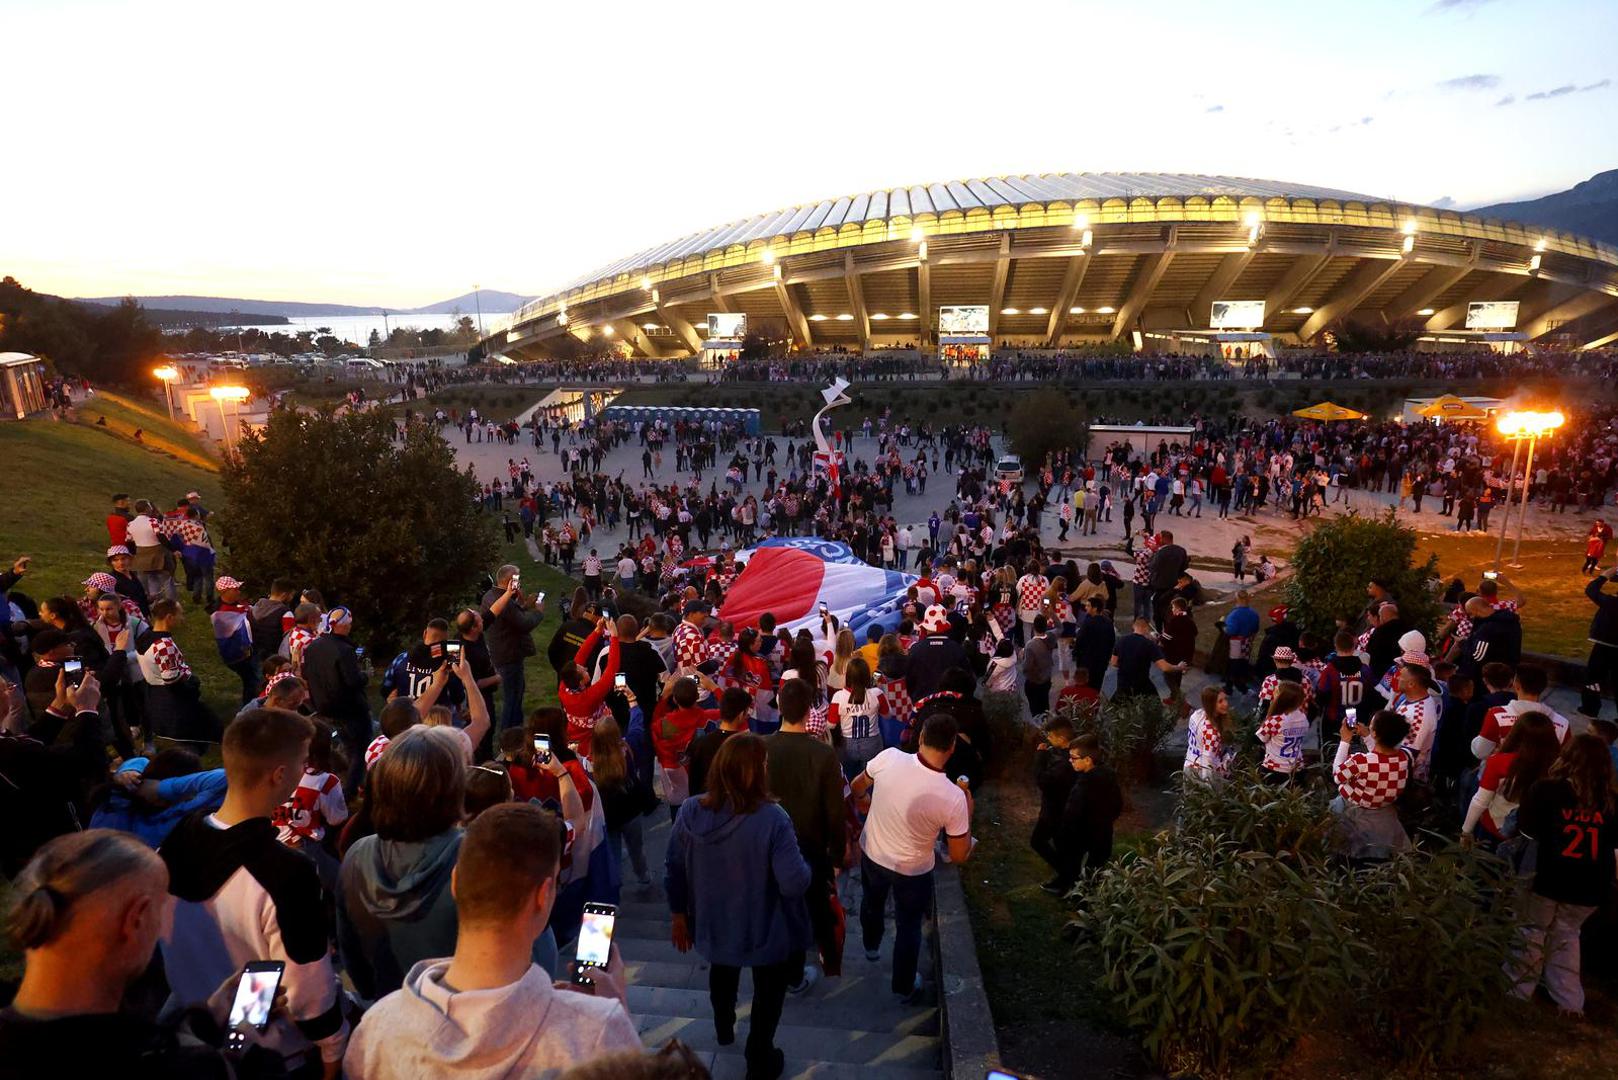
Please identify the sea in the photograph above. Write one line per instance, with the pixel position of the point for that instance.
(357, 328)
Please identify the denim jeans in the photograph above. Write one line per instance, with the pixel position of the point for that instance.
(912, 897)
(512, 686)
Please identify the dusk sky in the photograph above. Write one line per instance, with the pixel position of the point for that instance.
(398, 153)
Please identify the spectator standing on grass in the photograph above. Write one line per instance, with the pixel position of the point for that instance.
(1084, 837)
(488, 1010)
(1282, 733)
(1368, 787)
(173, 705)
(1572, 815)
(1210, 738)
(509, 618)
(736, 883)
(1053, 776)
(331, 667)
(911, 802)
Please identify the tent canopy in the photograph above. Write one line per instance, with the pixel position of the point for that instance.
(1450, 407)
(1327, 410)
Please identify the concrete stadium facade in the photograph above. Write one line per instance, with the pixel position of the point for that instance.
(1079, 258)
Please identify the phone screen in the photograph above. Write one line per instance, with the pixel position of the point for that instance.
(620, 680)
(595, 935)
(540, 599)
(542, 747)
(72, 667)
(255, 994)
(452, 649)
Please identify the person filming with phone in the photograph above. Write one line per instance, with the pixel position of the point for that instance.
(509, 618)
(488, 1010)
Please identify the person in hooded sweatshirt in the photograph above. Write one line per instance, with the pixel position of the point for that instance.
(487, 1012)
(395, 907)
(736, 882)
(241, 895)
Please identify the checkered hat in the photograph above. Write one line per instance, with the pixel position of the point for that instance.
(1284, 655)
(225, 581)
(103, 581)
(1417, 658)
(117, 549)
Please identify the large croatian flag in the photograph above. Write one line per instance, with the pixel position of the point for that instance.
(791, 576)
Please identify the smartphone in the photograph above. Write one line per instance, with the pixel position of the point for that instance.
(74, 670)
(824, 609)
(542, 748)
(620, 681)
(452, 650)
(359, 652)
(540, 599)
(1351, 717)
(516, 581)
(595, 940)
(1491, 574)
(255, 994)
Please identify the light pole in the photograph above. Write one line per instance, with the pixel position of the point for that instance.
(477, 298)
(168, 373)
(1518, 426)
(223, 394)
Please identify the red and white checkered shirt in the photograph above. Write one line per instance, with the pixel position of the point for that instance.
(1031, 593)
(1463, 622)
(690, 646)
(162, 663)
(1143, 559)
(190, 532)
(297, 640)
(1271, 683)
(1372, 779)
(722, 651)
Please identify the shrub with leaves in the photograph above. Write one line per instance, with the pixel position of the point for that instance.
(1443, 925)
(1332, 565)
(1292, 822)
(1218, 954)
(1131, 729)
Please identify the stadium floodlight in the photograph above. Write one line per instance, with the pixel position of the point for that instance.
(1075, 311)
(1409, 227)
(917, 234)
(1539, 245)
(646, 282)
(606, 331)
(1303, 311)
(768, 258)
(1038, 311)
(1427, 311)
(845, 317)
(1010, 311)
(1108, 310)
(817, 317)
(1081, 222)
(878, 316)
(907, 315)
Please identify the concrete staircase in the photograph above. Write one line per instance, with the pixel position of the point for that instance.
(840, 1029)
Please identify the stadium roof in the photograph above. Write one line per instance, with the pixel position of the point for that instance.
(1079, 257)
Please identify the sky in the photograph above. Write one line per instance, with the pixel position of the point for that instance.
(400, 153)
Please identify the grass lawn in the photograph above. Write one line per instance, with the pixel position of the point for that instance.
(1556, 614)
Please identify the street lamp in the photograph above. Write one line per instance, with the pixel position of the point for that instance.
(223, 394)
(477, 294)
(1518, 426)
(168, 373)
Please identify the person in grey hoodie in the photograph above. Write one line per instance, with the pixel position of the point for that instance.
(736, 882)
(487, 1012)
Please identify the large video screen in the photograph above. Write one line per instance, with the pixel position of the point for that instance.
(1491, 315)
(1236, 315)
(968, 319)
(727, 326)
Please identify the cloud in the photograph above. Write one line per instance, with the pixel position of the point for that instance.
(1214, 108)
(1363, 121)
(1507, 100)
(1442, 6)
(1447, 202)
(1469, 82)
(1567, 88)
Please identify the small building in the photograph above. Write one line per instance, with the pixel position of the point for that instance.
(22, 384)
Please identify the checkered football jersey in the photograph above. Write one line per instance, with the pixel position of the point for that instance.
(690, 647)
(1463, 622)
(163, 663)
(1283, 737)
(1372, 779)
(1143, 559)
(1267, 689)
(1031, 593)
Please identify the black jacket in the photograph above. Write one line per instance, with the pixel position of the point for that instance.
(509, 635)
(111, 1044)
(336, 683)
(1053, 774)
(1093, 805)
(1167, 564)
(1497, 638)
(43, 781)
(1092, 644)
(927, 661)
(1604, 627)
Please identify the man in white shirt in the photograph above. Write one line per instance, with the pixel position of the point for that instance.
(907, 540)
(490, 1010)
(912, 800)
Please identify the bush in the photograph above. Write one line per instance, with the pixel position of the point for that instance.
(1217, 953)
(1334, 563)
(1291, 822)
(1444, 926)
(1041, 423)
(1130, 728)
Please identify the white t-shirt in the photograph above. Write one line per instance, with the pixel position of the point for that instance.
(909, 805)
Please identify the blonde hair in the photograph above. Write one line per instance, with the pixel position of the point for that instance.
(608, 763)
(844, 650)
(66, 872)
(439, 716)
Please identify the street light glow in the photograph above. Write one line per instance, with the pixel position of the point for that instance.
(229, 393)
(166, 372)
(1529, 424)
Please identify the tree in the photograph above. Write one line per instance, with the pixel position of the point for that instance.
(1354, 335)
(375, 340)
(334, 502)
(1333, 564)
(1043, 422)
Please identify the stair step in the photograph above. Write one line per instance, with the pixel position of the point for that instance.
(869, 981)
(851, 1047)
(732, 1066)
(827, 1004)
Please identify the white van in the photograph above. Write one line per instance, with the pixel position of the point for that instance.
(1008, 471)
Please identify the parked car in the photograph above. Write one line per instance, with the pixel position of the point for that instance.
(1008, 471)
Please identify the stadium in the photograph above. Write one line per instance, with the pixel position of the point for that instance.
(1161, 262)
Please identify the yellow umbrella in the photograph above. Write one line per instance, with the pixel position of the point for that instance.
(1450, 407)
(1328, 411)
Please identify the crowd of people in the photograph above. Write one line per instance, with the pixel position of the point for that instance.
(412, 847)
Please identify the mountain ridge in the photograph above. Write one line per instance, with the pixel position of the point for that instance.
(1588, 208)
(493, 301)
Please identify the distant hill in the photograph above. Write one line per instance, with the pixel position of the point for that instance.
(1589, 208)
(493, 300)
(185, 319)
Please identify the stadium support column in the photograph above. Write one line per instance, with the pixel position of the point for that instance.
(1497, 287)
(1297, 277)
(1146, 278)
(721, 302)
(856, 295)
(1576, 307)
(1433, 284)
(1218, 284)
(997, 290)
(794, 314)
(924, 298)
(1072, 281)
(631, 333)
(1360, 283)
(687, 333)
